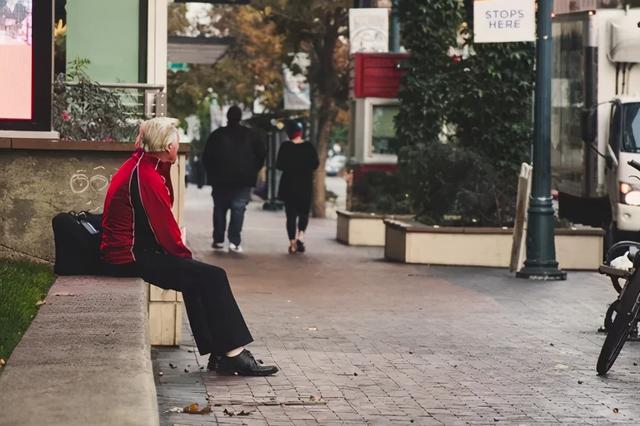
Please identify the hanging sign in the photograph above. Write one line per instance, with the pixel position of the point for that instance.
(297, 92)
(369, 30)
(502, 21)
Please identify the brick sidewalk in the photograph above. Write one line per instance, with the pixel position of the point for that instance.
(360, 340)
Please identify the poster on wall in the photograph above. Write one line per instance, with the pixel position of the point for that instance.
(16, 59)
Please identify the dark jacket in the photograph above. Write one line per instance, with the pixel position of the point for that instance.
(233, 156)
(297, 162)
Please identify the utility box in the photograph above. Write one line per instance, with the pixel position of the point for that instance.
(374, 106)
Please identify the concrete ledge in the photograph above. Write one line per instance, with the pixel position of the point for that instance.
(363, 229)
(410, 242)
(85, 359)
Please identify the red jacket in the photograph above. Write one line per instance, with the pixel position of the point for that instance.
(156, 194)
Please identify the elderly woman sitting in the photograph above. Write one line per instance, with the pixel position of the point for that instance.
(140, 237)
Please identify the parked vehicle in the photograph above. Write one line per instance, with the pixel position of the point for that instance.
(596, 118)
(335, 165)
(621, 320)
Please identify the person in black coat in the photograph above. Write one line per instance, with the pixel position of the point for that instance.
(298, 160)
(232, 158)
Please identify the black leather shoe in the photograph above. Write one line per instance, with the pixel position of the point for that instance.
(212, 365)
(300, 246)
(243, 365)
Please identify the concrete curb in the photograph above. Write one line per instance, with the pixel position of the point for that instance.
(85, 359)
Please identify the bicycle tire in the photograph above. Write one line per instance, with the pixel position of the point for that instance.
(622, 324)
(610, 315)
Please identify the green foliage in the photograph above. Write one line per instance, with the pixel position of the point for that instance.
(83, 110)
(253, 60)
(465, 118)
(22, 284)
(265, 36)
(380, 192)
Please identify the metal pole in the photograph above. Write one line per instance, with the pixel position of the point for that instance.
(272, 202)
(394, 35)
(541, 261)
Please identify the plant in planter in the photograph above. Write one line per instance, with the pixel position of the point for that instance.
(465, 127)
(84, 110)
(465, 116)
(380, 193)
(375, 197)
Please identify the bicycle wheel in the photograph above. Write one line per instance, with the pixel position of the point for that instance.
(622, 324)
(611, 314)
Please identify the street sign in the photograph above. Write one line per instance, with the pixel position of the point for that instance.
(502, 21)
(178, 66)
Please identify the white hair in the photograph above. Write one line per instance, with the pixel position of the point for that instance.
(157, 134)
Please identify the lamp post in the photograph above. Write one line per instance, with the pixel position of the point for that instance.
(394, 36)
(541, 261)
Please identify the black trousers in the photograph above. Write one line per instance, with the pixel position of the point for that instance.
(216, 321)
(297, 217)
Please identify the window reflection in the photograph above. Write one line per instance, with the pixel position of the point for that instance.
(383, 137)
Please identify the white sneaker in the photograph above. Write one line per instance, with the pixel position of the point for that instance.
(217, 246)
(235, 248)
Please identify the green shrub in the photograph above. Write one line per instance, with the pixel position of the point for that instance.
(84, 110)
(465, 117)
(380, 192)
(22, 285)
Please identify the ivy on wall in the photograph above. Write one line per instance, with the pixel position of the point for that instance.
(465, 122)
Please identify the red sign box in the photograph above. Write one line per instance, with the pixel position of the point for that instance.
(378, 75)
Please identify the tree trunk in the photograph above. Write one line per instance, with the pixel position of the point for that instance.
(326, 116)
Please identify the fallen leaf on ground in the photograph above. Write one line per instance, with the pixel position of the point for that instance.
(312, 328)
(2, 362)
(40, 302)
(172, 365)
(231, 412)
(196, 409)
(175, 410)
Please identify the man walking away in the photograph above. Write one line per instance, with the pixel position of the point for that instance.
(232, 158)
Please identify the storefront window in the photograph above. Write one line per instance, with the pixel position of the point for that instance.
(383, 136)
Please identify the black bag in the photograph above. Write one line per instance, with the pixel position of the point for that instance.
(77, 241)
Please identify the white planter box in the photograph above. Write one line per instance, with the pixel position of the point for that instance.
(165, 317)
(408, 242)
(362, 229)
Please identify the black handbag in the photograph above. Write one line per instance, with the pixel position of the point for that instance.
(77, 243)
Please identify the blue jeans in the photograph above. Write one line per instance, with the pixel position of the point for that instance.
(236, 200)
